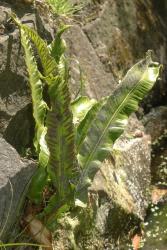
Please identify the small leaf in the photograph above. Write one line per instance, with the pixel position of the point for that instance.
(158, 194)
(38, 182)
(79, 203)
(58, 46)
(80, 107)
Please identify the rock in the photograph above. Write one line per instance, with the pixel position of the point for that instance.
(98, 83)
(105, 32)
(155, 124)
(13, 80)
(14, 179)
(15, 110)
(156, 228)
(124, 180)
(119, 32)
(106, 44)
(158, 195)
(21, 138)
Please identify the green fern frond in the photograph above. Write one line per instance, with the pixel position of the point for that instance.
(39, 106)
(39, 114)
(60, 134)
(58, 46)
(84, 111)
(48, 62)
(112, 118)
(85, 124)
(80, 107)
(63, 7)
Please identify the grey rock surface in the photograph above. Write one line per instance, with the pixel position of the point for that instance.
(13, 77)
(125, 179)
(98, 82)
(155, 123)
(16, 121)
(122, 31)
(156, 229)
(15, 175)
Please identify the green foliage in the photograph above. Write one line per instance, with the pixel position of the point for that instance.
(60, 134)
(80, 108)
(38, 182)
(58, 46)
(55, 131)
(73, 139)
(39, 106)
(63, 7)
(112, 118)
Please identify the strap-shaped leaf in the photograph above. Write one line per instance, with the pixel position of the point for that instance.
(39, 113)
(39, 106)
(38, 182)
(48, 62)
(112, 117)
(84, 112)
(58, 46)
(60, 134)
(85, 124)
(80, 107)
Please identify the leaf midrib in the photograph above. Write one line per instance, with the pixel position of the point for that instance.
(112, 118)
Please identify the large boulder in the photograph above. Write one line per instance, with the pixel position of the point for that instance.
(14, 179)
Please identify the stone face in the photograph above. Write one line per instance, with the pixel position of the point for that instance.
(16, 121)
(125, 178)
(122, 31)
(156, 229)
(14, 179)
(13, 81)
(14, 94)
(155, 123)
(20, 131)
(98, 83)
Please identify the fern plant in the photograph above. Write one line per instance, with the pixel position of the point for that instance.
(72, 139)
(63, 7)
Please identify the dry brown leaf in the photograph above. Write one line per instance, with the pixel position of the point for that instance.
(136, 241)
(38, 231)
(158, 194)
